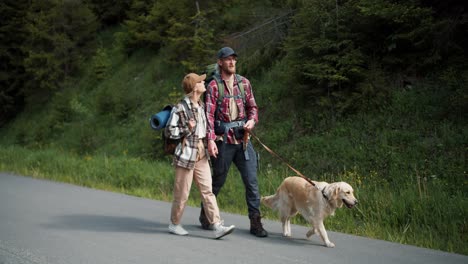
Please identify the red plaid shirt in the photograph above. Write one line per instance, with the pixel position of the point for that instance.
(250, 110)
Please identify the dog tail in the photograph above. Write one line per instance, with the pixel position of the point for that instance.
(270, 201)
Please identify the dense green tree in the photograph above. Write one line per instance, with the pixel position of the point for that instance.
(60, 36)
(109, 12)
(192, 31)
(450, 38)
(322, 54)
(146, 25)
(192, 41)
(338, 50)
(139, 8)
(12, 35)
(400, 33)
(180, 26)
(101, 64)
(339, 54)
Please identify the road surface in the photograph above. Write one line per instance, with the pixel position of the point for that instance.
(48, 222)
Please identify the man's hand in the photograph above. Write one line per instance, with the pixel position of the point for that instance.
(249, 125)
(212, 148)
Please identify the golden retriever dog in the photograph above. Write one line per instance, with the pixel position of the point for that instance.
(314, 203)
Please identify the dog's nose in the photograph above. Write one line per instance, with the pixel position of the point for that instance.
(356, 202)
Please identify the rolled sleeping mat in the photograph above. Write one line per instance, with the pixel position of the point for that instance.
(159, 120)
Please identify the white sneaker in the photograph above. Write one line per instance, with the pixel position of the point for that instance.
(178, 230)
(220, 230)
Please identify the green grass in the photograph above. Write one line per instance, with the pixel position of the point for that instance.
(123, 174)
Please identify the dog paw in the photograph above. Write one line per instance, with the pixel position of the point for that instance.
(330, 245)
(287, 234)
(310, 233)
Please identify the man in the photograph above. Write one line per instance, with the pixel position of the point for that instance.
(231, 112)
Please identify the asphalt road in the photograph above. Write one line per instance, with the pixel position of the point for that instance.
(48, 222)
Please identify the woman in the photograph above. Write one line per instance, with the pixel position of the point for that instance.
(191, 159)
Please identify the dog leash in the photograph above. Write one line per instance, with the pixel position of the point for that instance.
(282, 159)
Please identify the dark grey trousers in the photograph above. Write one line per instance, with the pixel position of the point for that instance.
(229, 153)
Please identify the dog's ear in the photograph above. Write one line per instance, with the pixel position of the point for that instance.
(336, 196)
(336, 193)
(332, 191)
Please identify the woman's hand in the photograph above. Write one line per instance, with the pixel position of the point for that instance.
(191, 124)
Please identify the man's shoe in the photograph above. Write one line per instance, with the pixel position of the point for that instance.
(204, 221)
(256, 227)
(178, 230)
(220, 230)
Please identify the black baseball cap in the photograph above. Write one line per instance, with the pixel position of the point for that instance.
(226, 52)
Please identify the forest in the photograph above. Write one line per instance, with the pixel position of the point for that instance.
(372, 92)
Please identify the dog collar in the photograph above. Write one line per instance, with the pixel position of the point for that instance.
(324, 195)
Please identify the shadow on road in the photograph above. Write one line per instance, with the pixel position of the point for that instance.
(273, 238)
(105, 223)
(278, 238)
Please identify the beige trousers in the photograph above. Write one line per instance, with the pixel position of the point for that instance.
(182, 183)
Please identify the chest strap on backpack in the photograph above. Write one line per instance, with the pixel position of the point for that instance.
(221, 95)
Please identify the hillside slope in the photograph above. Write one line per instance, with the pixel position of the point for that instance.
(406, 160)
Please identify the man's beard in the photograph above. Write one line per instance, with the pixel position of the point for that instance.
(229, 70)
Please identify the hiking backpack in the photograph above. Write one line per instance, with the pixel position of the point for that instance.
(212, 72)
(160, 121)
(170, 144)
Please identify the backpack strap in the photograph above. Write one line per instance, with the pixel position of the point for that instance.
(187, 110)
(221, 88)
(190, 116)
